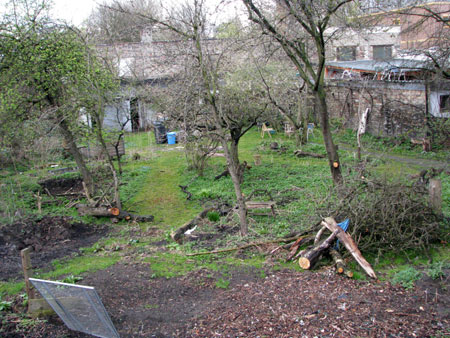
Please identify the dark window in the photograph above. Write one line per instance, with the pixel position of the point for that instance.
(347, 53)
(382, 52)
(445, 103)
(134, 114)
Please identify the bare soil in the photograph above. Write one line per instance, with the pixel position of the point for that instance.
(48, 237)
(282, 304)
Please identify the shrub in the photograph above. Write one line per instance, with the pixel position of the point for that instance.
(436, 271)
(406, 277)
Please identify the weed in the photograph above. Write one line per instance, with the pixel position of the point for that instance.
(222, 283)
(27, 324)
(71, 279)
(406, 277)
(435, 271)
(213, 216)
(5, 305)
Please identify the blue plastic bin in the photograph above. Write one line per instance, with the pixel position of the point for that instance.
(171, 138)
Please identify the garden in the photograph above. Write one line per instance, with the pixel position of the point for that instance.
(213, 282)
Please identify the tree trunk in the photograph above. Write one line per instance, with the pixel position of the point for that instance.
(240, 198)
(73, 149)
(99, 132)
(333, 158)
(310, 257)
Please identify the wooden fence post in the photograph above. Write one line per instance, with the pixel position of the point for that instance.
(435, 191)
(27, 271)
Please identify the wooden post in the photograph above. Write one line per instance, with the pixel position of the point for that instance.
(435, 191)
(27, 271)
(257, 159)
(39, 202)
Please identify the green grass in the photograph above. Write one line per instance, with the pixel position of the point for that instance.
(75, 266)
(300, 186)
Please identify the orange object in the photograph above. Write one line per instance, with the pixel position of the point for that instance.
(335, 164)
(114, 211)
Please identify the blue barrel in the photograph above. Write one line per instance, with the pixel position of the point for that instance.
(171, 138)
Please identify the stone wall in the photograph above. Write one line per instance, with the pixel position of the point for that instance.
(395, 108)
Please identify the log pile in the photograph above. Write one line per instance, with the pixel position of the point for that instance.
(309, 257)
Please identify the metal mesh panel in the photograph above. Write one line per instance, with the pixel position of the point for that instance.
(78, 306)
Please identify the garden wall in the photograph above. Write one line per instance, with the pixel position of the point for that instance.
(395, 108)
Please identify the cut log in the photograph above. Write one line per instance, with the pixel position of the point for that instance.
(350, 244)
(301, 153)
(86, 210)
(178, 235)
(310, 257)
(338, 261)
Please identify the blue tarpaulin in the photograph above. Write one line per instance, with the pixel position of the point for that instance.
(344, 226)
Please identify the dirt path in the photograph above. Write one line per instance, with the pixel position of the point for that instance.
(283, 304)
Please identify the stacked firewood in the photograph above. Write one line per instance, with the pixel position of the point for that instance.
(308, 258)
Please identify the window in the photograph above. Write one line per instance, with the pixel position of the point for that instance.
(347, 53)
(444, 103)
(383, 52)
(396, 22)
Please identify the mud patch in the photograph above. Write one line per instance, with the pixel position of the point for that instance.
(62, 186)
(49, 238)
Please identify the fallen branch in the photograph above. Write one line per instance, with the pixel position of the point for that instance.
(301, 153)
(86, 210)
(223, 174)
(184, 189)
(294, 248)
(178, 235)
(243, 246)
(350, 244)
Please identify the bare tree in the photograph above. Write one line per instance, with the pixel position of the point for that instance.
(111, 23)
(306, 50)
(211, 98)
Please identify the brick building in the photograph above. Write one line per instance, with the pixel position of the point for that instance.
(383, 68)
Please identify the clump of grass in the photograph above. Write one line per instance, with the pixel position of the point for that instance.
(222, 283)
(406, 277)
(213, 216)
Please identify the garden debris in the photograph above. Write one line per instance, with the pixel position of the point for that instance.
(103, 211)
(178, 234)
(301, 153)
(184, 189)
